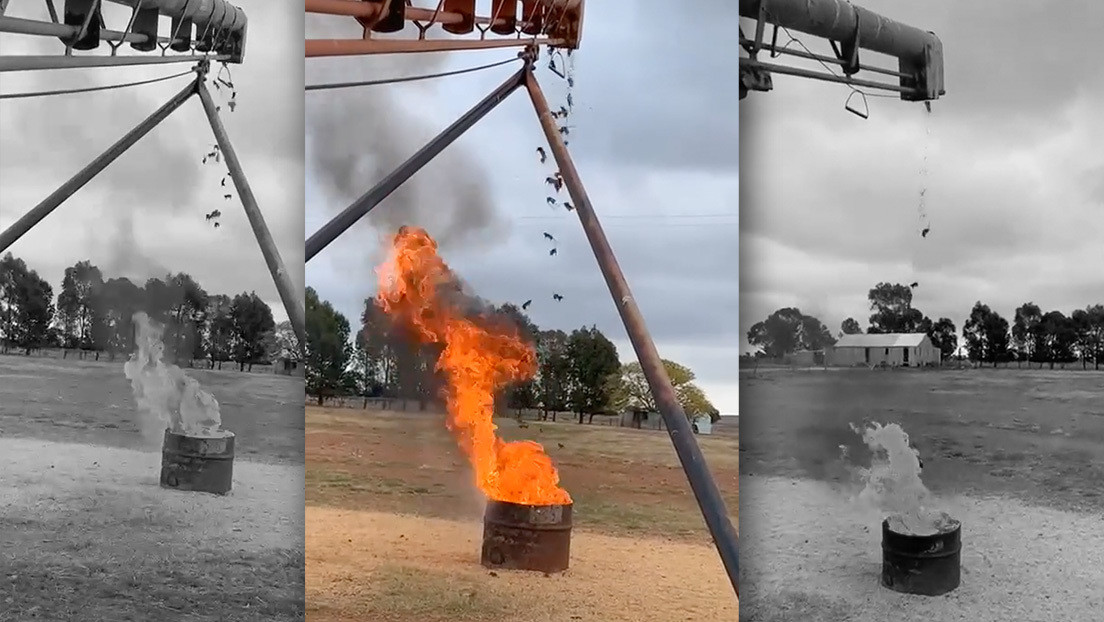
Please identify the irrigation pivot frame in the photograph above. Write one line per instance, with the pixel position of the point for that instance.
(704, 487)
(849, 29)
(219, 29)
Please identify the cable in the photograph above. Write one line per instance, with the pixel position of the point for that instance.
(828, 67)
(428, 76)
(92, 89)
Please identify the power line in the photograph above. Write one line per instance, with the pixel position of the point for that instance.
(428, 76)
(91, 89)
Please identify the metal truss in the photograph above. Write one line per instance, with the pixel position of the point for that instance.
(702, 484)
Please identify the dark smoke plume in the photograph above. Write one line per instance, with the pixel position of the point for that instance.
(357, 136)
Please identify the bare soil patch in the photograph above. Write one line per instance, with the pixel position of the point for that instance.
(810, 554)
(395, 568)
(394, 521)
(89, 535)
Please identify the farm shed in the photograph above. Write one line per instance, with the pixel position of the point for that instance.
(893, 349)
(286, 366)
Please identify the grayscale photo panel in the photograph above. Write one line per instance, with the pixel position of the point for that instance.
(521, 236)
(922, 311)
(151, 311)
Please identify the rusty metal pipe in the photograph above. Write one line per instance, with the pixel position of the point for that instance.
(372, 10)
(682, 436)
(293, 304)
(356, 47)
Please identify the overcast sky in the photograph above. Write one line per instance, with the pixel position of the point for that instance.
(144, 215)
(655, 137)
(1014, 193)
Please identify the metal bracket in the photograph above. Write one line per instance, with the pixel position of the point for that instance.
(848, 51)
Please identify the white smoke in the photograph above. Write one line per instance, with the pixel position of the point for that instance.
(168, 398)
(892, 483)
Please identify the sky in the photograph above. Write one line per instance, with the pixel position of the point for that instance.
(654, 134)
(1014, 182)
(143, 216)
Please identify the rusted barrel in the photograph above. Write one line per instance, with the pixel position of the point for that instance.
(925, 565)
(527, 537)
(201, 464)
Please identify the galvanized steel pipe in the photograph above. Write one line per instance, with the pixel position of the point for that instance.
(838, 20)
(217, 14)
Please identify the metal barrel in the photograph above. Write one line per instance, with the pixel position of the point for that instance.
(200, 464)
(925, 565)
(526, 537)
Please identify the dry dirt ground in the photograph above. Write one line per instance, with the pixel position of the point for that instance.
(1017, 456)
(87, 533)
(394, 526)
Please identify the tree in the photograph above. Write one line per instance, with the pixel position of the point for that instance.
(327, 349)
(788, 330)
(251, 318)
(944, 336)
(850, 327)
(986, 334)
(694, 402)
(187, 318)
(554, 372)
(893, 311)
(521, 395)
(1025, 330)
(78, 308)
(284, 344)
(690, 396)
(592, 359)
(1089, 325)
(376, 352)
(636, 385)
(220, 329)
(26, 306)
(120, 300)
(1058, 338)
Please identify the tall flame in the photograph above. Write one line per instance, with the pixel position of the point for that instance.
(416, 288)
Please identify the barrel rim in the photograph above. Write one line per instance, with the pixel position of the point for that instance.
(955, 528)
(511, 504)
(226, 434)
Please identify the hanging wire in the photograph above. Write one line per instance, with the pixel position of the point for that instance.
(428, 76)
(831, 69)
(92, 89)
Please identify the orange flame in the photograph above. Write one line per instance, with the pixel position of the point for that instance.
(477, 361)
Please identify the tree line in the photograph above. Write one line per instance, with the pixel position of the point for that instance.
(578, 372)
(1033, 336)
(93, 314)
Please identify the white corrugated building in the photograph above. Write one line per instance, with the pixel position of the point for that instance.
(894, 349)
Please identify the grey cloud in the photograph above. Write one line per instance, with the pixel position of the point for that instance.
(658, 93)
(143, 216)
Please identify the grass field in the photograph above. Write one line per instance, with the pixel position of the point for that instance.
(1017, 455)
(89, 534)
(394, 525)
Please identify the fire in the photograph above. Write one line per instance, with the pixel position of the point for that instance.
(418, 290)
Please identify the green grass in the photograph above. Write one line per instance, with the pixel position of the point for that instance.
(1033, 434)
(91, 402)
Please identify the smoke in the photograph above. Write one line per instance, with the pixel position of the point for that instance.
(892, 482)
(62, 134)
(357, 136)
(126, 257)
(167, 397)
